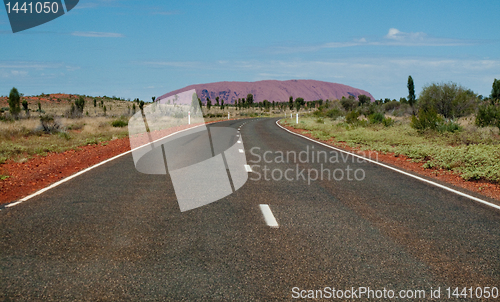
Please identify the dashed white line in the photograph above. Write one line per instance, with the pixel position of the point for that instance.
(241, 150)
(268, 216)
(248, 168)
(239, 142)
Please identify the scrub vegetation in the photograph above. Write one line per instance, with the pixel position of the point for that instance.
(447, 127)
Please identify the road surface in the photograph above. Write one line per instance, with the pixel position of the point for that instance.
(116, 234)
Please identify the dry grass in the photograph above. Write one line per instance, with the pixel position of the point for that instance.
(19, 140)
(473, 152)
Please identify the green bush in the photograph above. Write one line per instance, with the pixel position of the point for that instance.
(488, 115)
(449, 127)
(427, 118)
(389, 106)
(388, 122)
(448, 99)
(119, 123)
(348, 104)
(352, 117)
(376, 118)
(333, 113)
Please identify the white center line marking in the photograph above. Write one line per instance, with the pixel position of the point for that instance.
(248, 168)
(241, 150)
(239, 142)
(268, 216)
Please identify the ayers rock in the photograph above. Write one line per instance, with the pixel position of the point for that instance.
(272, 90)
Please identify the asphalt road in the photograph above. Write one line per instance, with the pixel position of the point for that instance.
(116, 234)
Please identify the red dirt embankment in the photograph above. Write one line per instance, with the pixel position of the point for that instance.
(482, 187)
(41, 171)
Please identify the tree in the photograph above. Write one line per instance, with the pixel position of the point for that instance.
(495, 91)
(95, 103)
(79, 104)
(217, 101)
(290, 102)
(250, 100)
(14, 102)
(299, 102)
(449, 99)
(488, 115)
(209, 103)
(411, 93)
(141, 107)
(222, 104)
(25, 107)
(348, 103)
(153, 98)
(363, 99)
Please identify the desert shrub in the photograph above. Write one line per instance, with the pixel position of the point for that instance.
(390, 106)
(488, 115)
(449, 99)
(65, 135)
(376, 118)
(319, 113)
(348, 104)
(14, 102)
(320, 120)
(119, 123)
(49, 124)
(352, 117)
(427, 118)
(449, 127)
(388, 122)
(333, 113)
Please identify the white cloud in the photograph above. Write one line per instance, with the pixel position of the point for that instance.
(394, 37)
(94, 34)
(29, 65)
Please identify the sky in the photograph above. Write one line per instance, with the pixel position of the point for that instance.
(139, 49)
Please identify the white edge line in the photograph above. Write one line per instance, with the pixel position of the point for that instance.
(397, 170)
(90, 168)
(268, 216)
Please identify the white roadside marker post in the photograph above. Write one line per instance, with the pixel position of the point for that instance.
(297, 117)
(228, 115)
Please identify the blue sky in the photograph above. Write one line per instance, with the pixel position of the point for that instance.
(147, 48)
